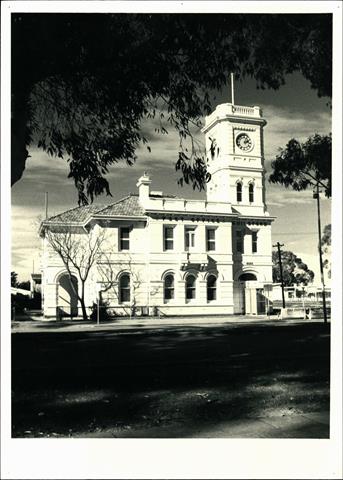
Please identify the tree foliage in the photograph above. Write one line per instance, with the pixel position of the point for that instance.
(26, 285)
(326, 238)
(294, 270)
(14, 279)
(83, 83)
(302, 165)
(325, 244)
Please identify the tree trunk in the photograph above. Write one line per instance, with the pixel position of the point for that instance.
(84, 310)
(20, 134)
(82, 301)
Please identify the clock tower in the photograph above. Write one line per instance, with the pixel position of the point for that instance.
(234, 150)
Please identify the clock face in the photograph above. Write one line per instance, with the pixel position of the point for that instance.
(244, 142)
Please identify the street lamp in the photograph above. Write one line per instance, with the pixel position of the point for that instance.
(316, 193)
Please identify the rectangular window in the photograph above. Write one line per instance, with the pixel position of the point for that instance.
(239, 241)
(254, 242)
(210, 239)
(124, 238)
(168, 234)
(189, 237)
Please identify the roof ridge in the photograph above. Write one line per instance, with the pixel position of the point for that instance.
(84, 207)
(81, 214)
(115, 203)
(128, 205)
(67, 211)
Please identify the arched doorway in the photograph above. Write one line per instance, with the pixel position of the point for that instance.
(66, 297)
(246, 294)
(247, 277)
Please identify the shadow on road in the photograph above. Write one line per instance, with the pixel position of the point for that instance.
(65, 383)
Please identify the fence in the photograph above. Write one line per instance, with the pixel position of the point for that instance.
(61, 312)
(301, 312)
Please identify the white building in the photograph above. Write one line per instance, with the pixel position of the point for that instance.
(176, 256)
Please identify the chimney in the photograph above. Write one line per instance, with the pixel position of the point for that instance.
(143, 185)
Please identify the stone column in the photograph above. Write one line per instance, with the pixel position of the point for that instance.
(201, 292)
(180, 292)
(50, 299)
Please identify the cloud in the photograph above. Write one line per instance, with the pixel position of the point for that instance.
(312, 261)
(25, 239)
(282, 198)
(49, 170)
(284, 124)
(47, 174)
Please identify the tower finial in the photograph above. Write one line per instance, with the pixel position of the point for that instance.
(232, 90)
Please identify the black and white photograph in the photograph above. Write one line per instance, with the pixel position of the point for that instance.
(171, 240)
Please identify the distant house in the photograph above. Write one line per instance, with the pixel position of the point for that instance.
(179, 256)
(35, 283)
(20, 291)
(297, 293)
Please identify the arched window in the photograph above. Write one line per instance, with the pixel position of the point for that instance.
(124, 288)
(239, 192)
(251, 192)
(168, 287)
(190, 287)
(211, 288)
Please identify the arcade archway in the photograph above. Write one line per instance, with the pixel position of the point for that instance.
(66, 296)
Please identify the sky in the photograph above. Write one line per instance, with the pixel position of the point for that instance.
(293, 111)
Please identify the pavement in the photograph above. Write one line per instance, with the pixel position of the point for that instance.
(314, 425)
(278, 424)
(30, 324)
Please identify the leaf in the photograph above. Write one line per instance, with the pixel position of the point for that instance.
(98, 77)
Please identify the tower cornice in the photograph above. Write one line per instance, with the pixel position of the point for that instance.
(234, 113)
(250, 121)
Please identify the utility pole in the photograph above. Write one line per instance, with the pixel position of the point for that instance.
(278, 245)
(316, 196)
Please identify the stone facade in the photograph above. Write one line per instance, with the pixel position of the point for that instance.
(172, 256)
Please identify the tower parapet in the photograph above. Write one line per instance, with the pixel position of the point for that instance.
(227, 110)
